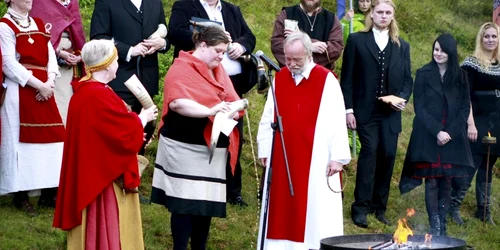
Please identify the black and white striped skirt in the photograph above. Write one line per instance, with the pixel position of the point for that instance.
(185, 183)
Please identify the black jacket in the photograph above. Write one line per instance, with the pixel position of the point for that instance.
(120, 20)
(181, 36)
(429, 94)
(361, 75)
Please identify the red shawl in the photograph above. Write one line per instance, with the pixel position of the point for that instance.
(189, 78)
(62, 18)
(103, 139)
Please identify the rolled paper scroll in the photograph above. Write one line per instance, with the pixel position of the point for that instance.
(143, 163)
(224, 119)
(161, 32)
(135, 86)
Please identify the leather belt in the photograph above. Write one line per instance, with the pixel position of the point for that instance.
(32, 66)
(495, 92)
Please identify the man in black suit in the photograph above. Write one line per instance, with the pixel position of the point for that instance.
(243, 42)
(376, 63)
(130, 23)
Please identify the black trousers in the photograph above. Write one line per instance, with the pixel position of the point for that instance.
(233, 182)
(375, 165)
(190, 226)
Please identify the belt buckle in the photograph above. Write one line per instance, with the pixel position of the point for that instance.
(497, 93)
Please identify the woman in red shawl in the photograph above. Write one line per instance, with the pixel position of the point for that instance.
(103, 138)
(191, 187)
(68, 38)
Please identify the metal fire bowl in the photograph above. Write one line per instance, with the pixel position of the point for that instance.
(363, 241)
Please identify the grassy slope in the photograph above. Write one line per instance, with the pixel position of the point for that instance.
(420, 22)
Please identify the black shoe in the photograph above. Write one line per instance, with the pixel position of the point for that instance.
(238, 201)
(384, 220)
(455, 217)
(360, 221)
(144, 200)
(46, 202)
(27, 207)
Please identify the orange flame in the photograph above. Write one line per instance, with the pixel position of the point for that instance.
(489, 135)
(402, 232)
(428, 238)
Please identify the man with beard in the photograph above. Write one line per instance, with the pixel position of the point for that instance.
(311, 104)
(376, 63)
(322, 26)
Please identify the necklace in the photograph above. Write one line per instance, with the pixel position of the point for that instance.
(308, 18)
(19, 23)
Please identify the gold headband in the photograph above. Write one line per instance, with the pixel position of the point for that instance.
(100, 66)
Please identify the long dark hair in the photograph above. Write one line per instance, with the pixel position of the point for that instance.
(448, 44)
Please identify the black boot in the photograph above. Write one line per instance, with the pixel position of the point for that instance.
(435, 225)
(483, 199)
(442, 225)
(457, 196)
(22, 202)
(48, 198)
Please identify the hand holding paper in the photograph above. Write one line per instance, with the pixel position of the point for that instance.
(224, 123)
(396, 102)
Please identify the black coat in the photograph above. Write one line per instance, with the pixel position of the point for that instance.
(119, 19)
(361, 75)
(429, 94)
(181, 36)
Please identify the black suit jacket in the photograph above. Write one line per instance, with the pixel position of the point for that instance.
(181, 36)
(361, 75)
(118, 19)
(429, 94)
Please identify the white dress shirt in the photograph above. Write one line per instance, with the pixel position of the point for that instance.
(137, 3)
(381, 38)
(232, 67)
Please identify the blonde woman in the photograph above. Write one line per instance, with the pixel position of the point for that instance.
(483, 69)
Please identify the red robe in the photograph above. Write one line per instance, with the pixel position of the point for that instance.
(299, 105)
(103, 139)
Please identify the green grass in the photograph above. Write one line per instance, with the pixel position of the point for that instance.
(420, 22)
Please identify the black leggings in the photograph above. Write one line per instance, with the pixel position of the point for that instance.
(437, 195)
(190, 226)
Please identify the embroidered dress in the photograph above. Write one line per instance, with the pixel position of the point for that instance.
(32, 131)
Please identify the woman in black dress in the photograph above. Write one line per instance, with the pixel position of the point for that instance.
(483, 71)
(439, 149)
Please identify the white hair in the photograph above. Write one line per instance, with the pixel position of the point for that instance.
(303, 38)
(97, 51)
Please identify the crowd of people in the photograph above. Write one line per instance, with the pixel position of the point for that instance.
(72, 132)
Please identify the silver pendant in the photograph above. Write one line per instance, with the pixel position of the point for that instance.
(312, 29)
(30, 40)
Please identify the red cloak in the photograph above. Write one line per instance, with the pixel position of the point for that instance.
(103, 139)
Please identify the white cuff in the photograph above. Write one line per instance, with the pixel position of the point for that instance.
(129, 55)
(349, 111)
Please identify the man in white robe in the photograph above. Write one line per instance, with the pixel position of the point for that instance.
(311, 104)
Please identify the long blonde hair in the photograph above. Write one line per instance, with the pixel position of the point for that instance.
(479, 51)
(393, 26)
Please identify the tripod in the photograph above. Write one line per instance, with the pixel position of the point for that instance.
(276, 126)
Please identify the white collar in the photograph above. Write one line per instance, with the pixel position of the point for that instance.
(18, 16)
(380, 33)
(205, 5)
(305, 74)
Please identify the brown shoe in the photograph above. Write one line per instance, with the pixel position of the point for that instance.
(27, 207)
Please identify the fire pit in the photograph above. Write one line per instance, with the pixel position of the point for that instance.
(385, 241)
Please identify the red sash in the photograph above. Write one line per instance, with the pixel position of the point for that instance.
(40, 121)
